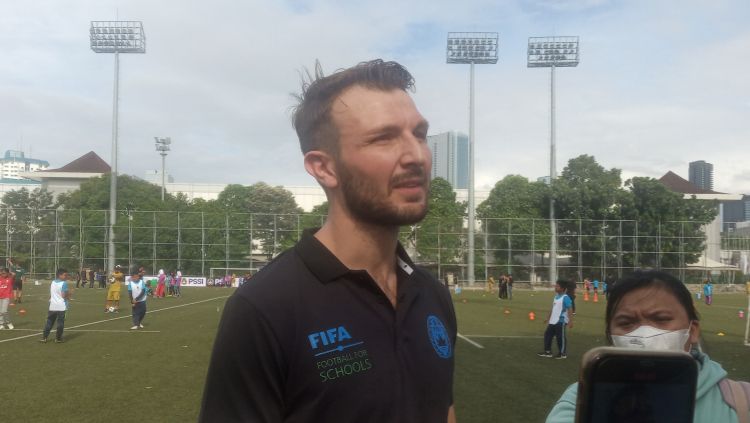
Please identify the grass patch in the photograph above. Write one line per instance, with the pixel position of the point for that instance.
(104, 372)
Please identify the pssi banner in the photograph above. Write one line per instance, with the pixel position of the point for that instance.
(186, 281)
(193, 281)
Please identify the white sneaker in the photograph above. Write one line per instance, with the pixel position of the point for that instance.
(2, 327)
(10, 326)
(134, 328)
(140, 326)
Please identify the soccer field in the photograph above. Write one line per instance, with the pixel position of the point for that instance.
(105, 372)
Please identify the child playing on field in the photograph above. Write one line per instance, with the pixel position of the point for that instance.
(557, 321)
(6, 293)
(708, 292)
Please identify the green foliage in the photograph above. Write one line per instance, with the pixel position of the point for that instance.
(514, 210)
(27, 216)
(674, 222)
(438, 237)
(585, 190)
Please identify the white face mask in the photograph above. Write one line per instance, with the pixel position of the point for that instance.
(651, 338)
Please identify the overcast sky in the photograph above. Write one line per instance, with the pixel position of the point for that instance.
(660, 83)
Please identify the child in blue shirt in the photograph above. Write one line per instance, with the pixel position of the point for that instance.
(708, 292)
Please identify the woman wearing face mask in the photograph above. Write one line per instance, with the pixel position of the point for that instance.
(654, 310)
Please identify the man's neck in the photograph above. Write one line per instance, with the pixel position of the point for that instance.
(362, 246)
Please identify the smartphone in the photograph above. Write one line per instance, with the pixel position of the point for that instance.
(634, 386)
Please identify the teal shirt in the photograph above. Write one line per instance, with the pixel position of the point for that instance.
(709, 404)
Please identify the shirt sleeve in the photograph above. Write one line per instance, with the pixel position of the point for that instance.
(567, 303)
(564, 410)
(246, 370)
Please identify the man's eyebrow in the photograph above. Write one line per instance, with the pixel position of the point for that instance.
(423, 125)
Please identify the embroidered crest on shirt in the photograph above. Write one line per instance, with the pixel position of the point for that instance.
(439, 337)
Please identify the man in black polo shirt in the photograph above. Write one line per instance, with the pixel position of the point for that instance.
(344, 327)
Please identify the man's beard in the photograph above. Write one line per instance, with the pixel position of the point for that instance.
(367, 205)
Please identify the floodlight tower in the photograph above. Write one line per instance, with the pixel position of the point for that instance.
(116, 37)
(552, 52)
(162, 146)
(471, 48)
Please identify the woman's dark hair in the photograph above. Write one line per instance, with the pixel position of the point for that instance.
(648, 279)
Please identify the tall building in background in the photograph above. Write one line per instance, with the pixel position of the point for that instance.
(15, 162)
(701, 174)
(450, 158)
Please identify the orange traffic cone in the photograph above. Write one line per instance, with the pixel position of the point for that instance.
(585, 295)
(596, 297)
(532, 316)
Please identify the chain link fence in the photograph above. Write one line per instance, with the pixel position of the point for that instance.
(195, 242)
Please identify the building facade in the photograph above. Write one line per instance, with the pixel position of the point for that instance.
(14, 162)
(701, 174)
(450, 158)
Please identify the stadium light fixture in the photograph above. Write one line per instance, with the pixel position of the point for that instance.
(471, 48)
(115, 37)
(162, 146)
(552, 52)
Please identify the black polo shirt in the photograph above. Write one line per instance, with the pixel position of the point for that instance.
(309, 340)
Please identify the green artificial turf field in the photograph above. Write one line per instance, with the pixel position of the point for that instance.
(107, 373)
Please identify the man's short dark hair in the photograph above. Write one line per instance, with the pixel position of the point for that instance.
(60, 271)
(312, 116)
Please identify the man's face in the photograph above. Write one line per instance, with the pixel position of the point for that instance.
(384, 163)
(64, 276)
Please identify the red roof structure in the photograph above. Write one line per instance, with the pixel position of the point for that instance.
(88, 163)
(676, 183)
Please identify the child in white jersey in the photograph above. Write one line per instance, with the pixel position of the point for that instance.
(557, 321)
(137, 293)
(58, 305)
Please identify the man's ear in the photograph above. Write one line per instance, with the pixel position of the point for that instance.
(322, 167)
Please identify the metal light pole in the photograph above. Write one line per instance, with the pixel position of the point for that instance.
(471, 48)
(552, 52)
(162, 146)
(115, 37)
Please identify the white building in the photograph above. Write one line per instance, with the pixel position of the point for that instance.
(14, 162)
(69, 177)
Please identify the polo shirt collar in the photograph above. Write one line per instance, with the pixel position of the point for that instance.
(327, 267)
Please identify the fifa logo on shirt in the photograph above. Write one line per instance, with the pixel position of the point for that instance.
(328, 337)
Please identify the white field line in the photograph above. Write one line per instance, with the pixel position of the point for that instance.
(470, 341)
(94, 330)
(504, 336)
(114, 318)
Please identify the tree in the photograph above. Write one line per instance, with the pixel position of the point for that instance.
(316, 217)
(585, 190)
(438, 237)
(141, 213)
(587, 196)
(28, 216)
(511, 215)
(274, 220)
(673, 222)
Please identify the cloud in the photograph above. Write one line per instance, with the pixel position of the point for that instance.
(657, 87)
